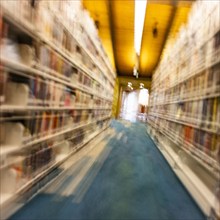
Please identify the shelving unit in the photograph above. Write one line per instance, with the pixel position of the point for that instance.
(184, 110)
(56, 90)
(21, 69)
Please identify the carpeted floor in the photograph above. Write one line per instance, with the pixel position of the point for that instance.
(129, 180)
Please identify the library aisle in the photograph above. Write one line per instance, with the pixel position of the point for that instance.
(122, 176)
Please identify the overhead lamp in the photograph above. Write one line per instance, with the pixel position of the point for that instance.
(129, 87)
(141, 85)
(135, 71)
(140, 10)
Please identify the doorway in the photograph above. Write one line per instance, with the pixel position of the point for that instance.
(134, 105)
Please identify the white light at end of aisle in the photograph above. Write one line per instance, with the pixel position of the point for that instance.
(143, 97)
(140, 10)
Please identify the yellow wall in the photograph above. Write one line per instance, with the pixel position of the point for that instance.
(123, 81)
(115, 99)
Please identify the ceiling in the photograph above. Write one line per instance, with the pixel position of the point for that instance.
(115, 22)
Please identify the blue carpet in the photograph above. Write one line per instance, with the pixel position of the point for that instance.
(135, 182)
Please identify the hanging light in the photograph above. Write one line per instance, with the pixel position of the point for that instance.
(141, 85)
(129, 86)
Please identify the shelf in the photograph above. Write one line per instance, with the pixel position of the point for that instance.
(100, 50)
(15, 108)
(21, 158)
(25, 27)
(31, 31)
(11, 162)
(184, 106)
(190, 75)
(201, 193)
(24, 68)
(9, 149)
(93, 59)
(59, 160)
(214, 95)
(214, 168)
(81, 44)
(183, 122)
(5, 197)
(68, 56)
(94, 71)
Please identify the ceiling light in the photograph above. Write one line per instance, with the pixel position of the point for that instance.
(140, 9)
(141, 85)
(134, 71)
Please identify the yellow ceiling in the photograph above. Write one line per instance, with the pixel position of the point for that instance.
(123, 23)
(159, 16)
(116, 30)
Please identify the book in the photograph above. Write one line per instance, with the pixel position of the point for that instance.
(3, 81)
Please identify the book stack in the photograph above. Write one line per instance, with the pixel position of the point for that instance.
(56, 89)
(187, 106)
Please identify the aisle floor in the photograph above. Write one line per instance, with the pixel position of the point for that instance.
(123, 177)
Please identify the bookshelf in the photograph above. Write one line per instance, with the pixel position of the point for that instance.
(184, 109)
(56, 90)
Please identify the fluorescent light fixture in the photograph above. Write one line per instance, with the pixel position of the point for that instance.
(140, 9)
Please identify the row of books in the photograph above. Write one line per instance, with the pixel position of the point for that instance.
(51, 56)
(24, 166)
(80, 24)
(205, 17)
(189, 137)
(196, 58)
(178, 73)
(43, 16)
(28, 90)
(188, 58)
(184, 114)
(31, 126)
(43, 57)
(203, 84)
(195, 112)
